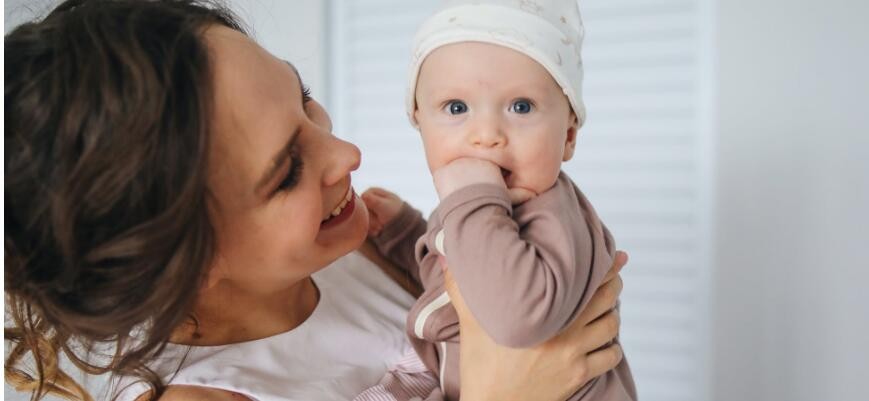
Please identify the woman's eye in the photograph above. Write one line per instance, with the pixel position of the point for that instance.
(306, 94)
(293, 174)
(456, 107)
(522, 107)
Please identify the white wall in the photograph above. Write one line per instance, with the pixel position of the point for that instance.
(791, 313)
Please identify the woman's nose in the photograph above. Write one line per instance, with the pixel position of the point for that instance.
(487, 132)
(342, 158)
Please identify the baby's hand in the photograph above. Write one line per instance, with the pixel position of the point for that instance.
(520, 195)
(383, 206)
(463, 172)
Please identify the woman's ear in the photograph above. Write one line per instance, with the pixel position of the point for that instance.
(570, 141)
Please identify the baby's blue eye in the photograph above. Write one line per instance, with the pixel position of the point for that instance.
(456, 107)
(521, 107)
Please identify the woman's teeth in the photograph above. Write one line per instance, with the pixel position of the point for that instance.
(343, 203)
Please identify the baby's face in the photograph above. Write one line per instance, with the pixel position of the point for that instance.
(490, 102)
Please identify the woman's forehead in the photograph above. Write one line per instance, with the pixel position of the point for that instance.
(247, 74)
(254, 95)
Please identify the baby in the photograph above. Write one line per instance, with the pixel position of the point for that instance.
(495, 91)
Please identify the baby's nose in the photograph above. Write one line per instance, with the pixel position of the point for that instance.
(488, 134)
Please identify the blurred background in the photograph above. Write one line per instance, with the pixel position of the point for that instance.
(727, 148)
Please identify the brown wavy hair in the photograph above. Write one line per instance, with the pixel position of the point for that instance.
(107, 237)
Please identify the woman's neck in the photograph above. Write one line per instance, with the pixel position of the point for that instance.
(226, 314)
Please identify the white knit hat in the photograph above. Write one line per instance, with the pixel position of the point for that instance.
(548, 31)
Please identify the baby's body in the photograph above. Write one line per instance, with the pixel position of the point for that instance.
(525, 272)
(495, 92)
(524, 245)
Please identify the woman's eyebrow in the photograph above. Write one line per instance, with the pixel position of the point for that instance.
(286, 150)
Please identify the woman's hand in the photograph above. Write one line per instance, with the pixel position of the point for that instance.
(551, 371)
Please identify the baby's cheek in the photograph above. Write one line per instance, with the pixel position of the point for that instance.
(539, 174)
(436, 150)
(440, 153)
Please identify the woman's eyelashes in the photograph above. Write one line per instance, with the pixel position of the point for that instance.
(306, 94)
(296, 164)
(293, 173)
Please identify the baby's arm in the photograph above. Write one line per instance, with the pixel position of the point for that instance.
(523, 281)
(394, 228)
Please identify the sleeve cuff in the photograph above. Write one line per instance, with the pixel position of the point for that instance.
(480, 194)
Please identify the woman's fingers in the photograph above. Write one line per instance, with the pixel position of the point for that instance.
(602, 361)
(607, 295)
(619, 261)
(601, 331)
(603, 300)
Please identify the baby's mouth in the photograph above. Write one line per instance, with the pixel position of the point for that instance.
(505, 173)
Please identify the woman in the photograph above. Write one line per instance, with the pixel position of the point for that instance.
(171, 188)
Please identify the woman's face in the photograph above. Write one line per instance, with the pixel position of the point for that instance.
(277, 175)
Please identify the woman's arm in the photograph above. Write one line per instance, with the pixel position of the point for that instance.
(552, 370)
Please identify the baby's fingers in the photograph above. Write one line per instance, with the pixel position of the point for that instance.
(380, 192)
(374, 228)
(520, 195)
(373, 200)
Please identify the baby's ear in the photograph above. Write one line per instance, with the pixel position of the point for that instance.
(570, 141)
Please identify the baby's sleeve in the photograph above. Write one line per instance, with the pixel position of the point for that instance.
(526, 276)
(397, 240)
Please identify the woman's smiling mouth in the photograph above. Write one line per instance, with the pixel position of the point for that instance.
(341, 211)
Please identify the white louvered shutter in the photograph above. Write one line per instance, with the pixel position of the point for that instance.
(643, 157)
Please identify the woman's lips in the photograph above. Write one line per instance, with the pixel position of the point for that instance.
(341, 212)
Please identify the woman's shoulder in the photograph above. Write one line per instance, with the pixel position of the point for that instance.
(196, 393)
